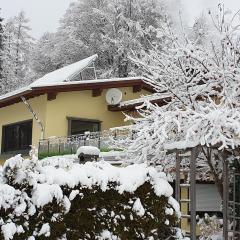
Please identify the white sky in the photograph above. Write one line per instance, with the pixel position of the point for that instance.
(194, 8)
(44, 14)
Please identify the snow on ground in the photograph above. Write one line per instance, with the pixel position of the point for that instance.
(112, 157)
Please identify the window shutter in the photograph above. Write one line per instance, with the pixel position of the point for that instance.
(208, 198)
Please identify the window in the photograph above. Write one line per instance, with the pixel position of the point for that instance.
(17, 136)
(80, 126)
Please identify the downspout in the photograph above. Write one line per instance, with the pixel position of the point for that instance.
(34, 115)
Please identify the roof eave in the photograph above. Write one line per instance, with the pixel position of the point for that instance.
(94, 85)
(36, 91)
(132, 107)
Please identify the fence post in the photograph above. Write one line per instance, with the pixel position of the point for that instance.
(178, 177)
(71, 147)
(59, 146)
(193, 193)
(48, 147)
(39, 148)
(99, 140)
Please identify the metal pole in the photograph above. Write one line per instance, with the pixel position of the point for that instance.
(193, 193)
(225, 199)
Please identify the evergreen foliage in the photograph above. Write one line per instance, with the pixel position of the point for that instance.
(93, 200)
(17, 46)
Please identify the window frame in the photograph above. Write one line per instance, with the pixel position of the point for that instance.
(70, 119)
(3, 147)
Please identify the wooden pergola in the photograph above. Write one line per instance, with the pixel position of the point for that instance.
(230, 208)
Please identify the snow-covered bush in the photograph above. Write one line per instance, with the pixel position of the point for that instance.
(58, 199)
(210, 228)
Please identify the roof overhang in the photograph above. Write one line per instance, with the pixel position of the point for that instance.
(161, 101)
(137, 83)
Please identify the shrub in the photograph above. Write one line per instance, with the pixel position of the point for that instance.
(210, 227)
(65, 200)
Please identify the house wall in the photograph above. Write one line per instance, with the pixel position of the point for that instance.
(81, 104)
(53, 114)
(18, 112)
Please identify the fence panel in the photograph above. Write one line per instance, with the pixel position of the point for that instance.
(56, 146)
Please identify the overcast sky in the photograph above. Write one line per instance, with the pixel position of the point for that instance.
(44, 14)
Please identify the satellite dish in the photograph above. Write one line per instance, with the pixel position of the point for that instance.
(113, 96)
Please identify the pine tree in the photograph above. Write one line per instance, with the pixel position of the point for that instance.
(22, 43)
(42, 61)
(17, 46)
(112, 29)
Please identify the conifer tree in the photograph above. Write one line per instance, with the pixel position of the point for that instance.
(17, 46)
(112, 29)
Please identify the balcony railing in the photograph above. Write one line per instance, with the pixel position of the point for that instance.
(55, 146)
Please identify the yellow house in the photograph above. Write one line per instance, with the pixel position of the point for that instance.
(61, 103)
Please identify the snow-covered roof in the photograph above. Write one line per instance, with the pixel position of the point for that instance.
(15, 92)
(83, 82)
(63, 78)
(64, 74)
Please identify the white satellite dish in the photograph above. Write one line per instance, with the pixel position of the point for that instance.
(113, 96)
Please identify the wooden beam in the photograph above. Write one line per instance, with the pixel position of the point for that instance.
(37, 91)
(193, 223)
(178, 177)
(159, 102)
(225, 196)
(96, 92)
(137, 88)
(51, 96)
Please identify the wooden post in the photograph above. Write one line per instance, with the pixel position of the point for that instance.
(177, 180)
(193, 193)
(225, 199)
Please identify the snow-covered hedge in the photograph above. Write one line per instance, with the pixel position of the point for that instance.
(58, 199)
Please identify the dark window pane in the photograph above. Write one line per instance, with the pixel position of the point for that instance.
(237, 189)
(17, 136)
(80, 127)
